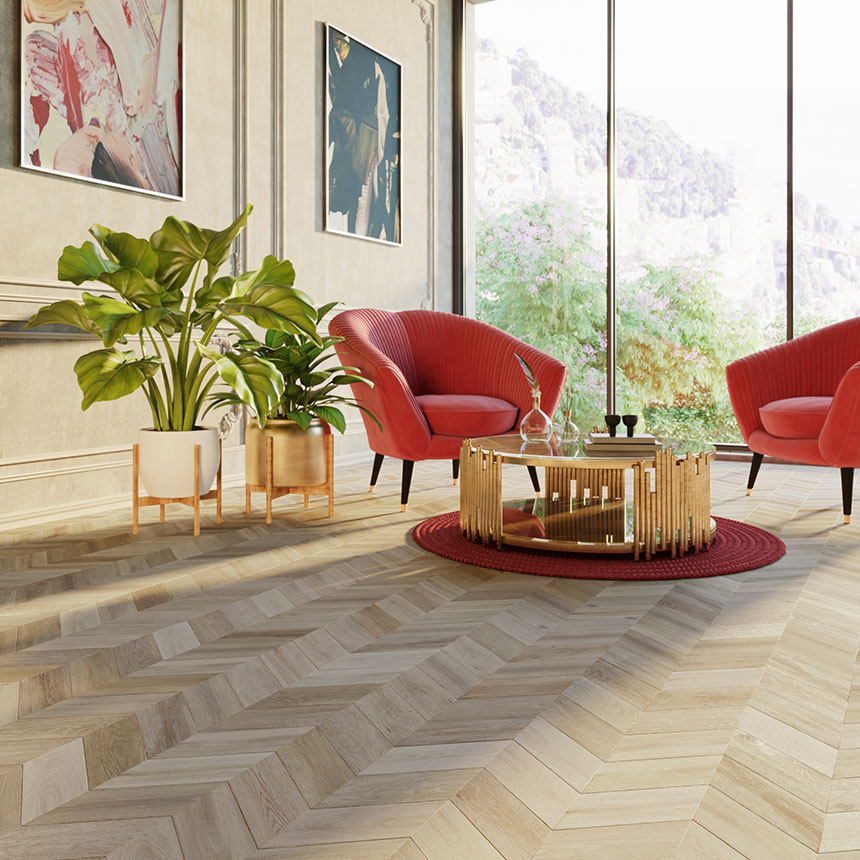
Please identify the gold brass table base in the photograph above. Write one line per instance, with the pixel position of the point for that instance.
(139, 501)
(273, 492)
(585, 504)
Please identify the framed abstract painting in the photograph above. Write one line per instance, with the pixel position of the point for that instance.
(101, 92)
(362, 140)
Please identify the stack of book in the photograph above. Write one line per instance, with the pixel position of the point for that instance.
(641, 446)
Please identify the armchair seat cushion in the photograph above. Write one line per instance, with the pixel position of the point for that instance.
(795, 417)
(466, 415)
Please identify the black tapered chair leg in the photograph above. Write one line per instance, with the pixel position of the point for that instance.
(534, 476)
(754, 467)
(405, 482)
(455, 469)
(847, 492)
(374, 472)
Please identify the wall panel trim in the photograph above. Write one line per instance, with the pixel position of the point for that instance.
(427, 12)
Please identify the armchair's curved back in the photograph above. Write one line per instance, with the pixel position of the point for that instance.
(409, 353)
(812, 364)
(458, 355)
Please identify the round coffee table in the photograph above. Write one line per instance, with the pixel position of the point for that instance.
(621, 505)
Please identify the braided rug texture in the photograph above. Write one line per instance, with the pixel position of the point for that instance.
(735, 547)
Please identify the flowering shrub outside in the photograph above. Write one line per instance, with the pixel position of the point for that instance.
(540, 277)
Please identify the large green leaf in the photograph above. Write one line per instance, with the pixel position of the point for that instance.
(117, 319)
(273, 271)
(135, 287)
(65, 312)
(108, 374)
(275, 307)
(83, 264)
(129, 251)
(303, 419)
(208, 298)
(257, 382)
(322, 311)
(220, 241)
(180, 245)
(331, 415)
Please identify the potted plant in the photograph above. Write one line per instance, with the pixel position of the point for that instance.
(310, 401)
(172, 327)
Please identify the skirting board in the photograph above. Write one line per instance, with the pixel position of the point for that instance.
(68, 510)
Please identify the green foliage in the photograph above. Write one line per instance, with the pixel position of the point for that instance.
(152, 304)
(538, 278)
(108, 374)
(310, 383)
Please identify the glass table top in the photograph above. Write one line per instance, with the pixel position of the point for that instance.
(514, 450)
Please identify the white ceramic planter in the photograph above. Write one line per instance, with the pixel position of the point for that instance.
(167, 461)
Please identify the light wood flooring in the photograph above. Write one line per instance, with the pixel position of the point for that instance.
(326, 690)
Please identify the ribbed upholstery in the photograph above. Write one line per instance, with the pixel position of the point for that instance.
(411, 353)
(825, 363)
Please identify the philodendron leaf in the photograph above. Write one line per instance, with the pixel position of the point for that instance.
(83, 264)
(208, 298)
(135, 287)
(129, 251)
(180, 245)
(303, 419)
(108, 374)
(257, 382)
(219, 242)
(116, 319)
(65, 312)
(275, 307)
(331, 415)
(321, 312)
(275, 272)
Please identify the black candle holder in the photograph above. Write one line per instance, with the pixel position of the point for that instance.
(612, 422)
(629, 422)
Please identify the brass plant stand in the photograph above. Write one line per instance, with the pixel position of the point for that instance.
(273, 492)
(585, 505)
(139, 501)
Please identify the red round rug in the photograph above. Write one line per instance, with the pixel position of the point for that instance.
(735, 547)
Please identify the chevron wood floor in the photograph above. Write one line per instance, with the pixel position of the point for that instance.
(326, 690)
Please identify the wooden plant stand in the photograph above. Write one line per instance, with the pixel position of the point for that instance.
(273, 492)
(139, 501)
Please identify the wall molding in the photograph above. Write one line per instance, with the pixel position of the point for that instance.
(9, 281)
(74, 455)
(240, 128)
(278, 129)
(427, 12)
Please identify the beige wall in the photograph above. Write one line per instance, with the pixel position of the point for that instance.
(52, 455)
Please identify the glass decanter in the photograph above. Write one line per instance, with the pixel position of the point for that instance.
(536, 426)
(567, 434)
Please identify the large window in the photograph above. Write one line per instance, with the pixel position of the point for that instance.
(702, 135)
(826, 164)
(540, 184)
(700, 203)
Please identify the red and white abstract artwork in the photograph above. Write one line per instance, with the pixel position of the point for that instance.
(101, 91)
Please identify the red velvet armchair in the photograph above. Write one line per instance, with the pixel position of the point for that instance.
(438, 379)
(800, 401)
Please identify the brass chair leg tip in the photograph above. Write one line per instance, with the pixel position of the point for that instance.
(456, 481)
(403, 508)
(846, 518)
(371, 489)
(749, 491)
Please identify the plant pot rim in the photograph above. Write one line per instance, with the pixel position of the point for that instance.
(193, 430)
(284, 421)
